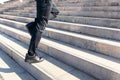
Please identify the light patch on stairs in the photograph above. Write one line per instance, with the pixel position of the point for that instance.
(10, 70)
(2, 1)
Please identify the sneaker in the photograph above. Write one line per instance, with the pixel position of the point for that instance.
(33, 59)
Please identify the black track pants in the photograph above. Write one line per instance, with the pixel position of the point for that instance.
(37, 27)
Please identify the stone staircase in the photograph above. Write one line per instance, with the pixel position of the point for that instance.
(82, 43)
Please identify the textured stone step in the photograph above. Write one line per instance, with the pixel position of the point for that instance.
(81, 59)
(25, 14)
(18, 13)
(100, 14)
(90, 4)
(21, 11)
(23, 8)
(49, 69)
(91, 8)
(103, 8)
(10, 70)
(105, 22)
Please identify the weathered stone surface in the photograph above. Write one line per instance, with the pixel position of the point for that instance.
(81, 59)
(102, 38)
(49, 69)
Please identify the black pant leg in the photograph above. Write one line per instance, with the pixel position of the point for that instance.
(43, 11)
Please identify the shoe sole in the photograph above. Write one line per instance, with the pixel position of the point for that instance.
(33, 61)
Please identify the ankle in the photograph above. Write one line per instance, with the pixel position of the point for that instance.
(31, 53)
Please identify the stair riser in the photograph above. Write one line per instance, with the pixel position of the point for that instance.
(93, 69)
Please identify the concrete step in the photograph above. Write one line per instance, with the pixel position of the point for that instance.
(102, 8)
(98, 14)
(103, 22)
(21, 11)
(49, 69)
(24, 8)
(25, 14)
(92, 8)
(89, 4)
(81, 59)
(10, 70)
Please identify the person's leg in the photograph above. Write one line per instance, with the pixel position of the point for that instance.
(43, 11)
(32, 56)
(36, 35)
